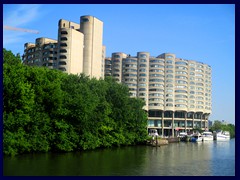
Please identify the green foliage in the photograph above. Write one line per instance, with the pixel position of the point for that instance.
(47, 110)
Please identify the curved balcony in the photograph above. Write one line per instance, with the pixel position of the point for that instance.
(181, 107)
(169, 106)
(155, 106)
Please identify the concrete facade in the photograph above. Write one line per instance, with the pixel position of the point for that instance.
(92, 28)
(41, 53)
(78, 49)
(177, 92)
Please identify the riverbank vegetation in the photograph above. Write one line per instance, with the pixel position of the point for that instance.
(47, 110)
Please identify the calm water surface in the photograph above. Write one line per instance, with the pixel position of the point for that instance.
(176, 159)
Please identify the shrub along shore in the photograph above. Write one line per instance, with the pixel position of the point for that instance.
(48, 110)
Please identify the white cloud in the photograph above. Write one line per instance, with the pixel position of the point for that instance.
(19, 17)
(23, 14)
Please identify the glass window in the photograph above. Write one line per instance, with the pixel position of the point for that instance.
(180, 91)
(156, 70)
(156, 80)
(62, 63)
(169, 76)
(156, 75)
(143, 65)
(169, 80)
(142, 74)
(142, 79)
(169, 71)
(64, 39)
(169, 66)
(180, 96)
(143, 60)
(63, 57)
(64, 32)
(143, 55)
(116, 56)
(142, 89)
(85, 19)
(181, 62)
(181, 105)
(63, 44)
(156, 61)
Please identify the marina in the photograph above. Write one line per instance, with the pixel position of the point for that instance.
(157, 140)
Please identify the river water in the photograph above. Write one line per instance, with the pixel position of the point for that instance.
(175, 159)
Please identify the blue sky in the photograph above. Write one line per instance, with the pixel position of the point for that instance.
(204, 33)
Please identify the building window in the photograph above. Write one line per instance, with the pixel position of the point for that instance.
(64, 32)
(142, 89)
(156, 66)
(169, 76)
(156, 80)
(156, 70)
(63, 44)
(143, 55)
(142, 70)
(143, 65)
(116, 56)
(63, 51)
(63, 39)
(156, 61)
(181, 105)
(143, 79)
(85, 20)
(180, 96)
(143, 60)
(181, 63)
(62, 63)
(63, 57)
(169, 57)
(62, 69)
(180, 91)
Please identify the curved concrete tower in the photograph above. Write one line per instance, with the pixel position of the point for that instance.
(92, 28)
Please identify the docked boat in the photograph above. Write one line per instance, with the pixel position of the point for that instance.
(207, 136)
(196, 138)
(223, 136)
(183, 136)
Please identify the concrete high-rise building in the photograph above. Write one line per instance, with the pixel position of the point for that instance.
(177, 92)
(79, 48)
(70, 47)
(41, 53)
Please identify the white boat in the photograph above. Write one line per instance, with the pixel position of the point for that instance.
(153, 132)
(207, 136)
(182, 134)
(197, 137)
(223, 136)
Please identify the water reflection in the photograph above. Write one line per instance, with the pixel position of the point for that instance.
(176, 159)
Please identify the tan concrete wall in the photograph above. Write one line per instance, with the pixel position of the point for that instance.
(92, 29)
(76, 52)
